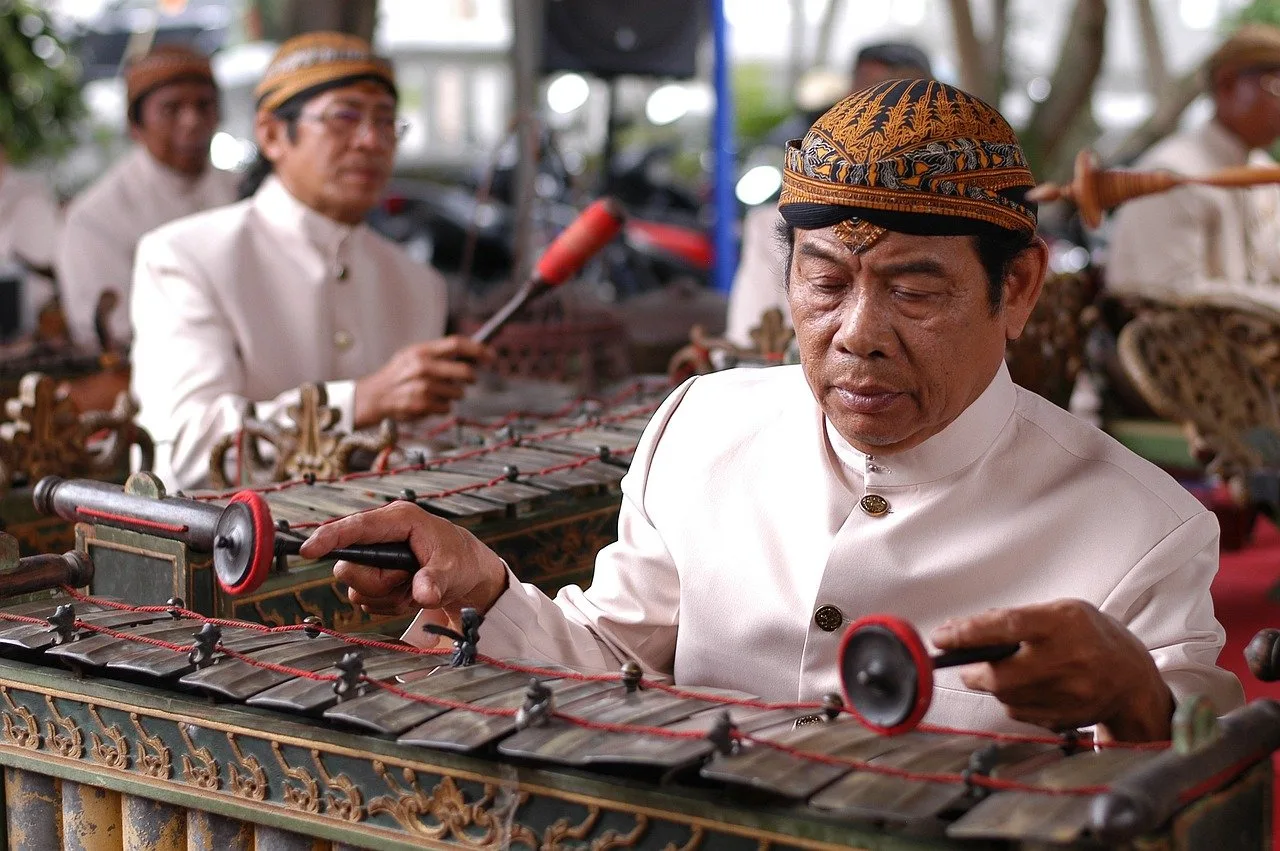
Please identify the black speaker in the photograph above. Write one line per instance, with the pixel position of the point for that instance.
(655, 38)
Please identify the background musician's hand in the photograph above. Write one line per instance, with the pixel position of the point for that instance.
(1076, 667)
(425, 378)
(457, 570)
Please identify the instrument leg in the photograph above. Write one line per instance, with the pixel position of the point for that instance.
(33, 811)
(209, 832)
(90, 818)
(153, 826)
(274, 839)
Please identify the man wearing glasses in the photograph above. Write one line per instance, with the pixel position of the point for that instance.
(244, 304)
(1199, 241)
(173, 112)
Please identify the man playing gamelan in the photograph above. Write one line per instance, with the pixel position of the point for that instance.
(246, 303)
(896, 469)
(173, 111)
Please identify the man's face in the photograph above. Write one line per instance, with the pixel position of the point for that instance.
(344, 147)
(176, 123)
(897, 341)
(1251, 101)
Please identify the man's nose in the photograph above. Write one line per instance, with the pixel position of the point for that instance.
(866, 327)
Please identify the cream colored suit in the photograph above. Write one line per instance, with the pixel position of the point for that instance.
(1199, 241)
(104, 223)
(740, 519)
(757, 286)
(29, 226)
(248, 302)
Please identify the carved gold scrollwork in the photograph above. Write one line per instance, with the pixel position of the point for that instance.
(63, 733)
(248, 780)
(305, 796)
(113, 752)
(154, 756)
(206, 774)
(559, 831)
(28, 734)
(445, 814)
(343, 800)
(311, 445)
(44, 435)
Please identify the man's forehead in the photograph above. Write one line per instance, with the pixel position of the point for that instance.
(179, 89)
(363, 93)
(889, 245)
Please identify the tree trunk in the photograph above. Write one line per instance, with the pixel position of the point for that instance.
(1071, 84)
(1173, 101)
(278, 20)
(997, 73)
(796, 48)
(1152, 48)
(974, 77)
(827, 24)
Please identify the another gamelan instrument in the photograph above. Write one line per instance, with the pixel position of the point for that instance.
(1095, 190)
(42, 434)
(543, 492)
(316, 737)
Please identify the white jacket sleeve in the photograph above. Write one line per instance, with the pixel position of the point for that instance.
(757, 286)
(188, 374)
(1165, 601)
(630, 612)
(90, 261)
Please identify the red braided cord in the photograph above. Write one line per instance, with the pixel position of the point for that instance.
(630, 729)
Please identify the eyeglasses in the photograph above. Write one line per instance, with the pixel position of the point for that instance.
(345, 122)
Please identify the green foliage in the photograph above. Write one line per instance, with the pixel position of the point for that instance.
(39, 95)
(758, 102)
(1257, 12)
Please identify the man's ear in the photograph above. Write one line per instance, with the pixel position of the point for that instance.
(1022, 285)
(271, 134)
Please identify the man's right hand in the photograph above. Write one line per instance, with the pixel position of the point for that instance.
(457, 570)
(425, 378)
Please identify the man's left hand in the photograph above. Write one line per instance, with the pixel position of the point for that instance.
(1076, 667)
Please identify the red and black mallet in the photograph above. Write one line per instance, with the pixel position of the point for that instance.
(241, 536)
(887, 672)
(593, 229)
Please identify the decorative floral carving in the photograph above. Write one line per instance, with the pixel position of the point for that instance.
(154, 756)
(113, 752)
(252, 783)
(445, 814)
(28, 734)
(306, 795)
(44, 435)
(311, 446)
(70, 742)
(206, 775)
(343, 799)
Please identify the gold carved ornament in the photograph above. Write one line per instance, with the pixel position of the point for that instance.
(1188, 371)
(770, 340)
(309, 445)
(44, 435)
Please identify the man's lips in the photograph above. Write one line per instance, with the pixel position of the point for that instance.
(866, 399)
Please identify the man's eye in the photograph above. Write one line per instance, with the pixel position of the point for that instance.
(346, 116)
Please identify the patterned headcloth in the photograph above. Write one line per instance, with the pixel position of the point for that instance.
(914, 156)
(164, 64)
(1250, 48)
(320, 59)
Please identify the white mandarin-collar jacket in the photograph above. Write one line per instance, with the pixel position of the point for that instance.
(29, 225)
(105, 221)
(248, 302)
(740, 520)
(757, 286)
(1198, 241)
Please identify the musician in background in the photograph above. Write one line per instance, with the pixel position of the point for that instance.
(246, 303)
(29, 225)
(757, 285)
(896, 469)
(1201, 240)
(173, 112)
